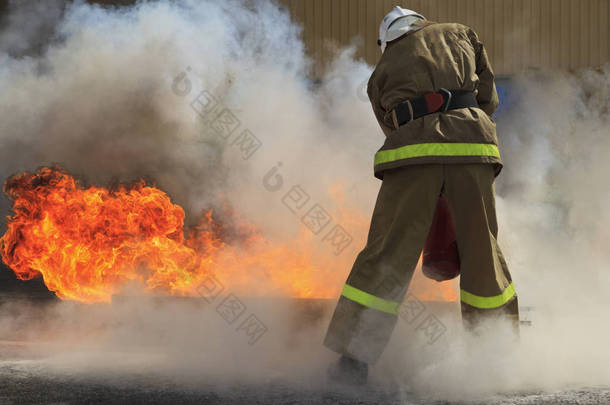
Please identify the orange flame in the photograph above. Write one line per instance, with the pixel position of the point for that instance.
(89, 243)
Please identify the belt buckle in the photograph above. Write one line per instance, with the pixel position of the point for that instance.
(447, 96)
(410, 111)
(395, 117)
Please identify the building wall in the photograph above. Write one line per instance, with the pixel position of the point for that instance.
(519, 34)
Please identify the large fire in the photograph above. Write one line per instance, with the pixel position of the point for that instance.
(86, 243)
(89, 243)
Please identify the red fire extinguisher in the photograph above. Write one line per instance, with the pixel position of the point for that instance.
(441, 260)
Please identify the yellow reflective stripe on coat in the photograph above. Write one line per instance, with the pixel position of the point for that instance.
(488, 302)
(369, 300)
(436, 149)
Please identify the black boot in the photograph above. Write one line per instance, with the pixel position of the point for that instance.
(348, 371)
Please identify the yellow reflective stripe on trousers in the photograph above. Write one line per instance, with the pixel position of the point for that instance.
(488, 302)
(369, 300)
(436, 149)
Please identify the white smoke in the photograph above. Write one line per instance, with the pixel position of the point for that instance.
(110, 97)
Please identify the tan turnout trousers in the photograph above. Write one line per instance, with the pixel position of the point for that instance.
(369, 304)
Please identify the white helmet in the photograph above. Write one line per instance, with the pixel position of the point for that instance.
(407, 17)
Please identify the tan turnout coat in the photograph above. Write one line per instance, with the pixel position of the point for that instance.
(437, 56)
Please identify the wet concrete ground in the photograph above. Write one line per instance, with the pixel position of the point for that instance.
(109, 357)
(26, 382)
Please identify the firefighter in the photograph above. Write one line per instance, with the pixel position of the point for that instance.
(433, 94)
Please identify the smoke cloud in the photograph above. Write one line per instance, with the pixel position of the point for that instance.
(117, 94)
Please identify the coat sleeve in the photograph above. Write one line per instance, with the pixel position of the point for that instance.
(378, 110)
(487, 96)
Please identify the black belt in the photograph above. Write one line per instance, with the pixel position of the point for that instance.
(442, 100)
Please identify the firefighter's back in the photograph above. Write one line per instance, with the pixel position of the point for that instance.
(439, 55)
